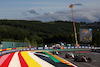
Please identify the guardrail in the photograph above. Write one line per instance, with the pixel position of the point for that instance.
(10, 50)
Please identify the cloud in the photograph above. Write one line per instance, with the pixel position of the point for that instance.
(33, 12)
(78, 4)
(81, 15)
(51, 16)
(50, 13)
(87, 15)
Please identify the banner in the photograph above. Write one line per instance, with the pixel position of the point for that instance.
(85, 35)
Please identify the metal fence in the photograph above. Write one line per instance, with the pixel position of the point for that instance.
(14, 44)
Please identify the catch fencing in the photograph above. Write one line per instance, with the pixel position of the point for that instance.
(14, 44)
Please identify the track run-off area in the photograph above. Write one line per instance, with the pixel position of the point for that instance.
(33, 59)
(44, 58)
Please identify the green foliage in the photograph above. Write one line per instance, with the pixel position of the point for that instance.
(26, 40)
(37, 32)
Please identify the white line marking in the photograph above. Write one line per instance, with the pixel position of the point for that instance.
(15, 61)
(41, 54)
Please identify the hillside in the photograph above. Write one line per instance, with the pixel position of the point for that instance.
(37, 32)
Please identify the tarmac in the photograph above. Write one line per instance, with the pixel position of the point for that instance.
(43, 58)
(94, 56)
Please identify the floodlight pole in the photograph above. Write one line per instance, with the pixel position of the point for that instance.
(71, 6)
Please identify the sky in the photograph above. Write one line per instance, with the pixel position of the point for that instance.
(50, 10)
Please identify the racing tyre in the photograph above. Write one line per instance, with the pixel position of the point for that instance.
(53, 52)
(66, 56)
(89, 59)
(77, 59)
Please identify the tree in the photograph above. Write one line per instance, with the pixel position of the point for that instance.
(26, 40)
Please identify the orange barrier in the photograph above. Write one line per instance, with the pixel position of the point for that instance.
(62, 47)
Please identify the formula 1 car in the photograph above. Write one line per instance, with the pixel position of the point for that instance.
(69, 55)
(56, 52)
(82, 58)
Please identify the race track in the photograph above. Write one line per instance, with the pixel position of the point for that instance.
(95, 59)
(41, 58)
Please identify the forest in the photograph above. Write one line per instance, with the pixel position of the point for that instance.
(37, 32)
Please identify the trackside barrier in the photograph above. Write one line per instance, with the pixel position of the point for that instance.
(73, 47)
(9, 50)
(14, 50)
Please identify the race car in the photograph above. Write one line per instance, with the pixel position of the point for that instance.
(56, 52)
(69, 55)
(81, 58)
(56, 46)
(59, 45)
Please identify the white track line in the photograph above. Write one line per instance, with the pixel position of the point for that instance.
(15, 61)
(41, 54)
(40, 61)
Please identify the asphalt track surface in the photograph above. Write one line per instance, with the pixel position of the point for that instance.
(33, 58)
(94, 63)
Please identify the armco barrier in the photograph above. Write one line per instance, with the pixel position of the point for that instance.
(9, 50)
